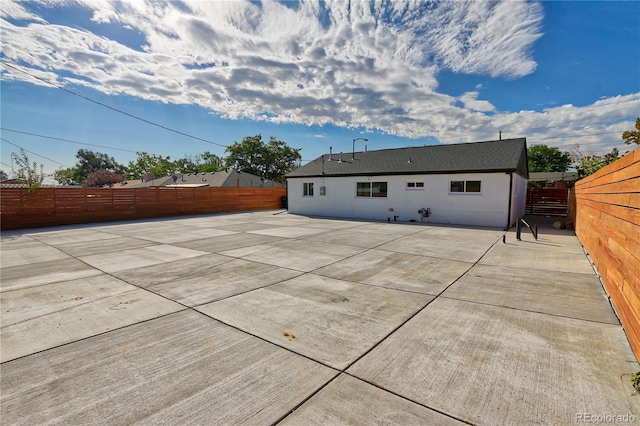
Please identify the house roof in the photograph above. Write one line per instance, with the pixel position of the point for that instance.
(546, 176)
(507, 155)
(226, 178)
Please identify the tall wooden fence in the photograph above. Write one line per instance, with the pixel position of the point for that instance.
(59, 206)
(547, 201)
(607, 223)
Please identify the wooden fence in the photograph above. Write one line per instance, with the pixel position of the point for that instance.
(547, 201)
(59, 206)
(607, 223)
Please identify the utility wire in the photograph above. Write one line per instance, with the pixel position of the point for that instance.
(65, 140)
(31, 152)
(110, 107)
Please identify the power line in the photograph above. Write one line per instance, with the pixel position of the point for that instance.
(110, 107)
(65, 140)
(31, 152)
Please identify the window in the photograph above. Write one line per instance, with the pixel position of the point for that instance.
(307, 189)
(415, 185)
(465, 186)
(371, 189)
(473, 186)
(457, 186)
(364, 189)
(378, 189)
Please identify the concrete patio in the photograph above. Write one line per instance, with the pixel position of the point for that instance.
(266, 317)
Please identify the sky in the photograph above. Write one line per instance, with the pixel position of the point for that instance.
(178, 78)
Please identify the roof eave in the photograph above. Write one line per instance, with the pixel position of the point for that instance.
(403, 173)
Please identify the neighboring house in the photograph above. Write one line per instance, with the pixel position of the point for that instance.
(228, 178)
(480, 184)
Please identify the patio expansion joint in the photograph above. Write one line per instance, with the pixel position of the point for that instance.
(424, 307)
(407, 399)
(94, 335)
(307, 398)
(475, 302)
(110, 275)
(269, 342)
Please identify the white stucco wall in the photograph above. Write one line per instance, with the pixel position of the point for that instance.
(490, 207)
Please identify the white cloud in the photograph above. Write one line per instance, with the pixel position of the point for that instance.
(470, 101)
(358, 64)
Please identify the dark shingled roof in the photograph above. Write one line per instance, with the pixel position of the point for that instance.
(507, 155)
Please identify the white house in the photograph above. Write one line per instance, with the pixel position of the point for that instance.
(480, 184)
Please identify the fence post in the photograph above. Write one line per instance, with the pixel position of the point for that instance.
(518, 229)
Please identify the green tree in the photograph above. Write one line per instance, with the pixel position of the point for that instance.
(101, 178)
(591, 163)
(543, 158)
(630, 137)
(26, 172)
(66, 176)
(3, 175)
(88, 162)
(208, 162)
(205, 162)
(270, 161)
(153, 164)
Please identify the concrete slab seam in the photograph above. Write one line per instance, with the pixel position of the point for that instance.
(475, 302)
(419, 310)
(95, 335)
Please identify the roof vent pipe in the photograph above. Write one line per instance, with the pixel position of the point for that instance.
(409, 160)
(365, 148)
(330, 153)
(340, 158)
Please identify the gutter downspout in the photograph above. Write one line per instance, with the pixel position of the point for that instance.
(510, 197)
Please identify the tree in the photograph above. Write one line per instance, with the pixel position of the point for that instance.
(270, 161)
(88, 162)
(630, 137)
(153, 164)
(67, 177)
(591, 163)
(101, 178)
(543, 158)
(26, 172)
(205, 162)
(208, 162)
(3, 175)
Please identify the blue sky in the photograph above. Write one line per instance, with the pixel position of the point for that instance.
(314, 74)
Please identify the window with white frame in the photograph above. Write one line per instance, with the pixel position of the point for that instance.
(307, 189)
(371, 189)
(457, 186)
(415, 185)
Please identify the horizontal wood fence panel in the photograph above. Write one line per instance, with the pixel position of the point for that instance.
(625, 186)
(547, 201)
(607, 223)
(60, 206)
